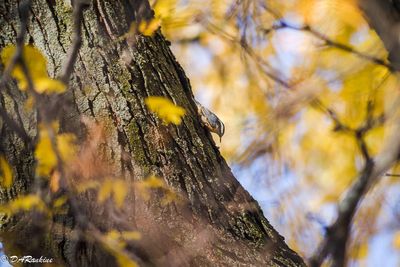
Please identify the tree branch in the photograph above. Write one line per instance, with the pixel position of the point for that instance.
(338, 233)
(72, 55)
(265, 66)
(330, 42)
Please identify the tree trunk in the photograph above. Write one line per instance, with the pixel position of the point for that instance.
(384, 17)
(219, 223)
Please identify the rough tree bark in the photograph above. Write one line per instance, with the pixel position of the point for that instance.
(220, 225)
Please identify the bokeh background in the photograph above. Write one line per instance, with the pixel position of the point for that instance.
(287, 78)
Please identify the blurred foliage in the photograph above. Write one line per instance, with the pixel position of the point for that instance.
(165, 109)
(6, 174)
(306, 95)
(36, 64)
(59, 160)
(305, 91)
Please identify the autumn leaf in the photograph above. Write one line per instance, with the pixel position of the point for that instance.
(45, 154)
(105, 191)
(34, 60)
(37, 66)
(131, 235)
(165, 109)
(23, 203)
(55, 181)
(154, 182)
(82, 187)
(360, 252)
(148, 28)
(396, 240)
(124, 235)
(29, 103)
(114, 243)
(49, 85)
(115, 236)
(124, 261)
(120, 190)
(6, 175)
(144, 186)
(169, 197)
(66, 146)
(60, 201)
(164, 8)
(116, 188)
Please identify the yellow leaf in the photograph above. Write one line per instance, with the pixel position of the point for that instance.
(66, 146)
(55, 181)
(87, 186)
(165, 109)
(48, 85)
(27, 202)
(363, 251)
(6, 175)
(44, 154)
(315, 11)
(105, 191)
(360, 252)
(120, 190)
(34, 60)
(170, 196)
(396, 240)
(154, 182)
(164, 8)
(131, 235)
(37, 67)
(149, 27)
(114, 235)
(29, 103)
(117, 188)
(124, 261)
(23, 203)
(115, 241)
(60, 201)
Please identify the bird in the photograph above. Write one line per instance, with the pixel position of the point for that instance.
(210, 120)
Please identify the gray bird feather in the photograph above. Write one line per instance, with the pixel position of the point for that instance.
(210, 120)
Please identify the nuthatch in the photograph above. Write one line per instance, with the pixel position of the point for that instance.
(210, 120)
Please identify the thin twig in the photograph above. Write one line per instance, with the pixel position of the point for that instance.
(72, 55)
(330, 42)
(262, 63)
(270, 72)
(392, 174)
(339, 125)
(338, 233)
